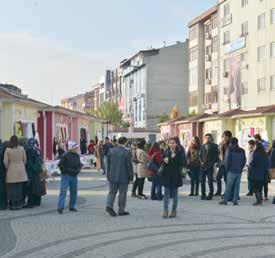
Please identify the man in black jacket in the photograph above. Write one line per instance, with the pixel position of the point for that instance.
(70, 167)
(208, 157)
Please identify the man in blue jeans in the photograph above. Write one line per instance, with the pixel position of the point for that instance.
(70, 167)
(235, 161)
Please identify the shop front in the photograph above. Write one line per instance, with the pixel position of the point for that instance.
(247, 127)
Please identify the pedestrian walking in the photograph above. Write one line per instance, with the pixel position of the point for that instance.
(251, 149)
(208, 158)
(120, 174)
(170, 175)
(15, 160)
(91, 147)
(258, 172)
(106, 148)
(234, 162)
(226, 138)
(141, 170)
(194, 164)
(70, 166)
(157, 157)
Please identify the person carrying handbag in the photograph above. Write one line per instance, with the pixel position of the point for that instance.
(170, 177)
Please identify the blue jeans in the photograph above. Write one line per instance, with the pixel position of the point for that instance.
(71, 182)
(156, 188)
(232, 187)
(105, 164)
(195, 179)
(166, 197)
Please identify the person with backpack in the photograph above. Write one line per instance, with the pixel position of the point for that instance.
(234, 162)
(258, 172)
(70, 166)
(156, 157)
(193, 163)
(208, 158)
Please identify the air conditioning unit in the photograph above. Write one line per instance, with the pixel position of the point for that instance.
(208, 81)
(208, 57)
(225, 74)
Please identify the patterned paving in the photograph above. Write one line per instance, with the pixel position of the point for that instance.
(202, 229)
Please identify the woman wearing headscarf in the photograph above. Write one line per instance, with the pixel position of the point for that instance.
(16, 176)
(33, 168)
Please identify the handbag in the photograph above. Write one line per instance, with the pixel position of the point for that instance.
(161, 170)
(152, 165)
(184, 171)
(271, 173)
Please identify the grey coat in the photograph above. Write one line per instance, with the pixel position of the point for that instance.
(120, 167)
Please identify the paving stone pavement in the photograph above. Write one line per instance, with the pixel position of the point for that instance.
(202, 228)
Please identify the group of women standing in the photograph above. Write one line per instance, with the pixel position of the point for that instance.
(20, 174)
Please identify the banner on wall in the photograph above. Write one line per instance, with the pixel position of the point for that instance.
(235, 81)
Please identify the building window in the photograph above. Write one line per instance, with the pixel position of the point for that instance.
(194, 77)
(226, 65)
(215, 69)
(215, 21)
(215, 44)
(193, 99)
(244, 28)
(244, 2)
(208, 28)
(261, 21)
(226, 10)
(208, 50)
(261, 84)
(193, 32)
(208, 98)
(272, 82)
(208, 75)
(214, 97)
(272, 49)
(226, 37)
(261, 53)
(226, 91)
(272, 16)
(193, 54)
(244, 88)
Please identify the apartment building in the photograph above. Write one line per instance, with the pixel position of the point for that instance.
(204, 62)
(153, 82)
(247, 53)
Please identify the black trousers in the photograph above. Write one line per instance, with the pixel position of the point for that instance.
(139, 183)
(207, 172)
(257, 187)
(265, 189)
(3, 194)
(221, 174)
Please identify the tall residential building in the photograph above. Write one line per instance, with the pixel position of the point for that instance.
(153, 82)
(204, 62)
(247, 53)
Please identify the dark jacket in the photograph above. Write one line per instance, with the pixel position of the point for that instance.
(209, 154)
(171, 174)
(258, 168)
(70, 164)
(106, 148)
(33, 169)
(235, 159)
(120, 167)
(272, 158)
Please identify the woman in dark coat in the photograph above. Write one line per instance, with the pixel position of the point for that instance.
(170, 175)
(33, 168)
(272, 161)
(3, 189)
(258, 172)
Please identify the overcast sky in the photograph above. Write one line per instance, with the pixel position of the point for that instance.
(58, 48)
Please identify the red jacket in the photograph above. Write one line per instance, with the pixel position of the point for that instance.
(157, 155)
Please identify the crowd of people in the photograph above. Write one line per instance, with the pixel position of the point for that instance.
(166, 163)
(22, 179)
